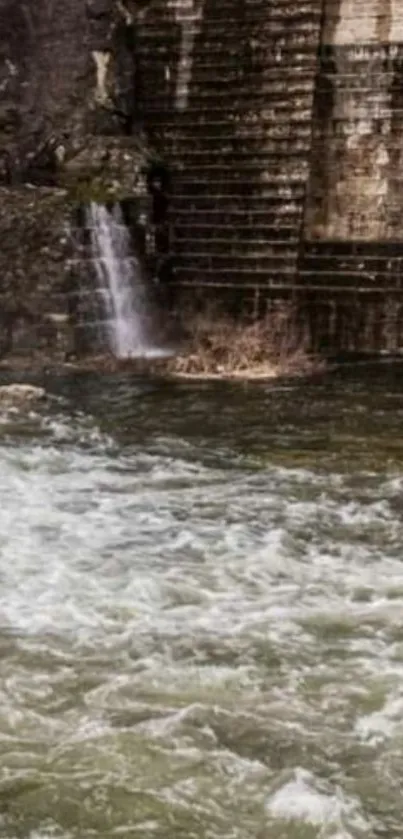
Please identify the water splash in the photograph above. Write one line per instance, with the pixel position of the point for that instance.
(125, 326)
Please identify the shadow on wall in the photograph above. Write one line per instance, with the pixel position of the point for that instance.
(226, 157)
(160, 264)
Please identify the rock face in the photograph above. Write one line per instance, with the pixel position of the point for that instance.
(35, 247)
(67, 71)
(263, 137)
(67, 113)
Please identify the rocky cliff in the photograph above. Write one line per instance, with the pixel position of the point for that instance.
(68, 135)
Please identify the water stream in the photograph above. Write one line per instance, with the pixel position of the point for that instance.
(126, 323)
(201, 610)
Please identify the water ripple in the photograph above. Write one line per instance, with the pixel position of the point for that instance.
(195, 643)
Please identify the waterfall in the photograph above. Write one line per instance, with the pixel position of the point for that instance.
(124, 321)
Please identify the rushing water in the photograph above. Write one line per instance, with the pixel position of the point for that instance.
(125, 324)
(201, 610)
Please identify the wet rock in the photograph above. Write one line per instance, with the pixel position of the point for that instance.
(107, 168)
(20, 395)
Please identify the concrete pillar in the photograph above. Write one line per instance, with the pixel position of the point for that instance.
(356, 133)
(353, 21)
(396, 22)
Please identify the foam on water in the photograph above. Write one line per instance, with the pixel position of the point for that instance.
(194, 649)
(304, 798)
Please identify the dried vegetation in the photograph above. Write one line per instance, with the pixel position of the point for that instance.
(219, 346)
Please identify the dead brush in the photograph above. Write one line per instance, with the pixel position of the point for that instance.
(218, 345)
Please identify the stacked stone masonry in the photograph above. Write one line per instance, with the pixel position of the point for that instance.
(227, 95)
(352, 248)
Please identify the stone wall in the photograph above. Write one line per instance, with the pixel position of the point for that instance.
(353, 236)
(226, 96)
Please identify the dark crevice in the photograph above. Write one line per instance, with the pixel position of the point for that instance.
(159, 185)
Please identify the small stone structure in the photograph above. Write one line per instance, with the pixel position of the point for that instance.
(259, 140)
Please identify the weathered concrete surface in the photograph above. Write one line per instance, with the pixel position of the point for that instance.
(348, 196)
(362, 21)
(357, 122)
(352, 260)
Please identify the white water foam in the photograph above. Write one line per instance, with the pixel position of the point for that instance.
(304, 798)
(192, 630)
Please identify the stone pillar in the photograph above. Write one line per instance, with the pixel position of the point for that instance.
(356, 128)
(352, 255)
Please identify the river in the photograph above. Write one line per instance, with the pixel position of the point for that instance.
(201, 609)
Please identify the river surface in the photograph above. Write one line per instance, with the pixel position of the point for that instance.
(201, 610)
